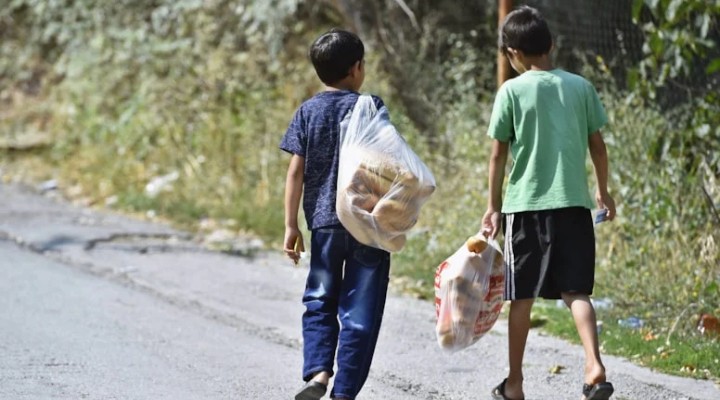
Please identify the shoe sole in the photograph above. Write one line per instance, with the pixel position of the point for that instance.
(310, 393)
(602, 392)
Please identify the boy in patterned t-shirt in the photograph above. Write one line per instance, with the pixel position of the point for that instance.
(549, 119)
(347, 280)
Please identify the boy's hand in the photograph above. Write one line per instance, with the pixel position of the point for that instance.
(491, 222)
(605, 201)
(294, 244)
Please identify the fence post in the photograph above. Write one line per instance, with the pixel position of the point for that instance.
(504, 70)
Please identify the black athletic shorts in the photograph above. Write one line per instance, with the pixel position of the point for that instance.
(549, 252)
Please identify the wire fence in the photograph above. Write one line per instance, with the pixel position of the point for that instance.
(585, 29)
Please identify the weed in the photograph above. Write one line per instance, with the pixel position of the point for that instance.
(693, 355)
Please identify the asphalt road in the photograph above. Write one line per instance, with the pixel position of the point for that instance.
(69, 335)
(96, 305)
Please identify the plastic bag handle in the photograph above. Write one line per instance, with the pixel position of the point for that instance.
(485, 232)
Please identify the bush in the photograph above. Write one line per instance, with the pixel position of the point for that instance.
(665, 240)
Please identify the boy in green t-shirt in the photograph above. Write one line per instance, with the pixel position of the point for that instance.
(548, 119)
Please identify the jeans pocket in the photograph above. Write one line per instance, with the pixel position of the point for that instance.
(370, 256)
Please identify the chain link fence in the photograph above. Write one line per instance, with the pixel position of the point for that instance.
(587, 29)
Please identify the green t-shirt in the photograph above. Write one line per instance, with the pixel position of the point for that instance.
(547, 117)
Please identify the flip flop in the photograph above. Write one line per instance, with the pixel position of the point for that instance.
(311, 391)
(499, 392)
(598, 391)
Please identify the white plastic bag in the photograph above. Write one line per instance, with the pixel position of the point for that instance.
(468, 295)
(382, 183)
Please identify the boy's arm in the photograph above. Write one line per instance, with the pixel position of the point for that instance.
(498, 159)
(598, 154)
(293, 244)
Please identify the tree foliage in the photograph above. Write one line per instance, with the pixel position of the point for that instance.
(434, 53)
(681, 38)
(681, 47)
(142, 88)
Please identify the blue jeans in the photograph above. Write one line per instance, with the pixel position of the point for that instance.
(347, 281)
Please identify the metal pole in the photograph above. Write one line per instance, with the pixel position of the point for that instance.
(504, 70)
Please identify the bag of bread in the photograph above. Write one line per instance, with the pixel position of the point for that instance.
(382, 183)
(468, 293)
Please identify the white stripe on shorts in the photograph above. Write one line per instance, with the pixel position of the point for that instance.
(541, 280)
(509, 259)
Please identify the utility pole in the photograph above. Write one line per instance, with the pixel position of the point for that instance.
(504, 70)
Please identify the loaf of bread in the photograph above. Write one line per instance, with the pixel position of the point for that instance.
(394, 216)
(357, 221)
(381, 200)
(476, 244)
(373, 179)
(468, 293)
(394, 243)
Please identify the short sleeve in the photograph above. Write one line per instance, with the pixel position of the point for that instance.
(295, 137)
(501, 120)
(379, 103)
(596, 117)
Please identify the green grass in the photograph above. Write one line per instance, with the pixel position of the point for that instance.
(690, 355)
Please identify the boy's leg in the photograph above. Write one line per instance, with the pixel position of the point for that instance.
(518, 328)
(322, 291)
(586, 324)
(526, 258)
(572, 278)
(362, 301)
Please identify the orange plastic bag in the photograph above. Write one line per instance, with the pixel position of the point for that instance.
(468, 293)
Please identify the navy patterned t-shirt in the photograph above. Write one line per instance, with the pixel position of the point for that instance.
(314, 134)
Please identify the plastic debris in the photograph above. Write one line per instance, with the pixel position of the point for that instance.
(48, 185)
(160, 184)
(650, 336)
(631, 322)
(603, 303)
(708, 324)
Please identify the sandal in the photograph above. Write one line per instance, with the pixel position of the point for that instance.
(499, 392)
(598, 391)
(312, 390)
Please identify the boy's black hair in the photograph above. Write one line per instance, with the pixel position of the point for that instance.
(334, 52)
(525, 29)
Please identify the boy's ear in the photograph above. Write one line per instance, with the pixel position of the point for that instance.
(355, 68)
(513, 52)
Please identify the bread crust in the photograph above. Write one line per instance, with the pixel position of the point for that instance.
(381, 201)
(394, 215)
(476, 244)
